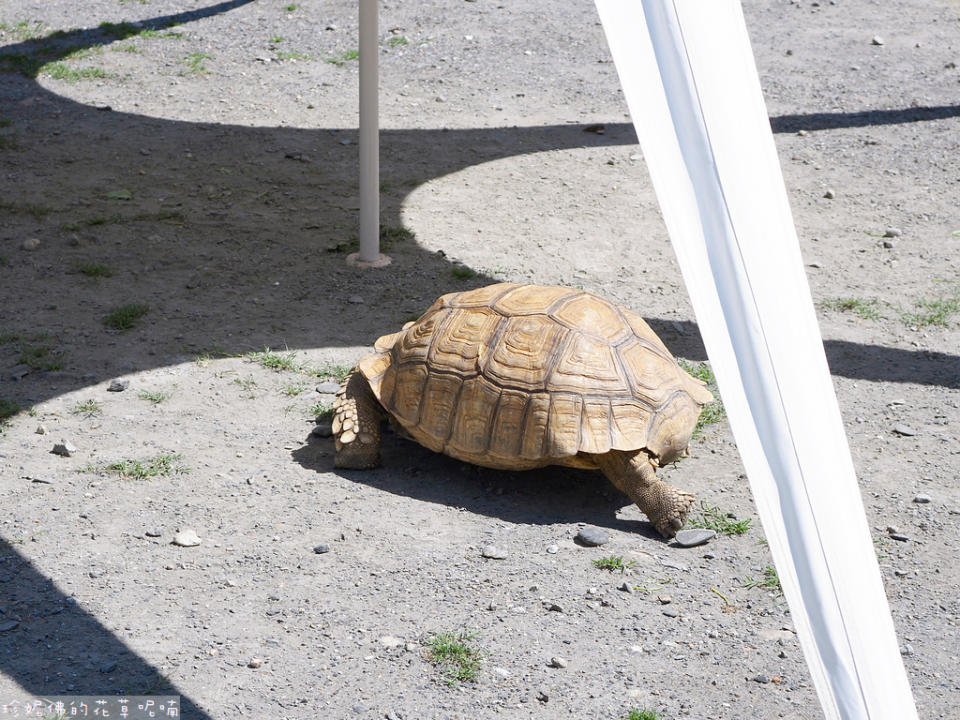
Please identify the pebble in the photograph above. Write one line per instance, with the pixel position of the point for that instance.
(359, 709)
(108, 668)
(19, 372)
(664, 599)
(557, 662)
(118, 386)
(921, 498)
(9, 625)
(493, 552)
(186, 538)
(41, 430)
(553, 607)
(30, 244)
(893, 232)
(815, 264)
(156, 532)
(877, 40)
(592, 537)
(542, 696)
(901, 429)
(906, 649)
(829, 194)
(64, 448)
(321, 548)
(355, 300)
(323, 429)
(899, 536)
(889, 244)
(255, 663)
(389, 641)
(330, 387)
(671, 613)
(626, 587)
(692, 538)
(763, 679)
(553, 549)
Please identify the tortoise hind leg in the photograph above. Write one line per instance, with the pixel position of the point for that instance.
(633, 473)
(356, 424)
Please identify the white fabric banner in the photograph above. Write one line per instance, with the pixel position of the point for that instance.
(690, 81)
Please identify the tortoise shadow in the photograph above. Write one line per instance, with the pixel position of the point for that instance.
(553, 495)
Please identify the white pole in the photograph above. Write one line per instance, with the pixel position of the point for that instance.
(369, 255)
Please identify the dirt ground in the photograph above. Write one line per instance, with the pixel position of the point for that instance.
(189, 169)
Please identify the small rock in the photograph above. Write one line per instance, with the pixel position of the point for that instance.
(675, 565)
(626, 587)
(389, 641)
(592, 537)
(815, 264)
(9, 625)
(323, 429)
(671, 613)
(359, 709)
(493, 552)
(829, 194)
(557, 662)
(889, 244)
(892, 232)
(553, 607)
(118, 386)
(156, 532)
(255, 663)
(694, 537)
(30, 244)
(906, 430)
(906, 649)
(553, 549)
(64, 448)
(921, 498)
(899, 536)
(321, 548)
(330, 387)
(355, 300)
(763, 679)
(900, 573)
(664, 599)
(186, 538)
(41, 430)
(108, 668)
(877, 40)
(19, 372)
(542, 696)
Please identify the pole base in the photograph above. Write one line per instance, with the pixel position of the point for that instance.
(353, 259)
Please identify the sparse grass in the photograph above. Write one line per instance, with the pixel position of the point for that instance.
(62, 71)
(194, 63)
(276, 39)
(129, 48)
(38, 210)
(462, 272)
(203, 358)
(321, 411)
(119, 194)
(333, 371)
(342, 59)
(397, 41)
(390, 235)
(274, 360)
(614, 563)
(866, 308)
(94, 270)
(933, 312)
(290, 8)
(87, 408)
(143, 469)
(8, 408)
(246, 383)
(9, 337)
(293, 389)
(712, 412)
(453, 654)
(167, 34)
(126, 317)
(770, 580)
(118, 30)
(713, 518)
(644, 714)
(41, 357)
(154, 396)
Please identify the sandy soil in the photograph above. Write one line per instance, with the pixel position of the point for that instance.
(207, 171)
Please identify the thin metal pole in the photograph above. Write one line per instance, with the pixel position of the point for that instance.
(369, 140)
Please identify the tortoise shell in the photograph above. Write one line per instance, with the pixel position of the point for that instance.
(516, 376)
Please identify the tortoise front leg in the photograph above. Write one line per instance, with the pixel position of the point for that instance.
(356, 424)
(633, 473)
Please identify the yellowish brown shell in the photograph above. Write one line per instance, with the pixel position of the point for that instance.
(520, 376)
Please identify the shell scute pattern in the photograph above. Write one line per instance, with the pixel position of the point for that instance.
(516, 376)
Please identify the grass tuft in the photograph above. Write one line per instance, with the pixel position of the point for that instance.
(770, 580)
(712, 412)
(614, 563)
(452, 653)
(94, 270)
(933, 312)
(274, 360)
(194, 63)
(87, 408)
(866, 308)
(143, 469)
(8, 408)
(154, 396)
(334, 371)
(126, 317)
(644, 714)
(713, 518)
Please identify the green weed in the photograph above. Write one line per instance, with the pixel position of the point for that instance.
(62, 71)
(770, 580)
(94, 270)
(321, 411)
(642, 715)
(933, 312)
(867, 308)
(8, 408)
(41, 357)
(290, 8)
(126, 317)
(397, 41)
(194, 63)
(154, 396)
(711, 412)
(453, 654)
(614, 563)
(275, 361)
(333, 371)
(160, 465)
(293, 389)
(344, 57)
(87, 408)
(291, 55)
(462, 272)
(712, 518)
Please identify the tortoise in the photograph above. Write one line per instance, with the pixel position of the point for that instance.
(515, 377)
